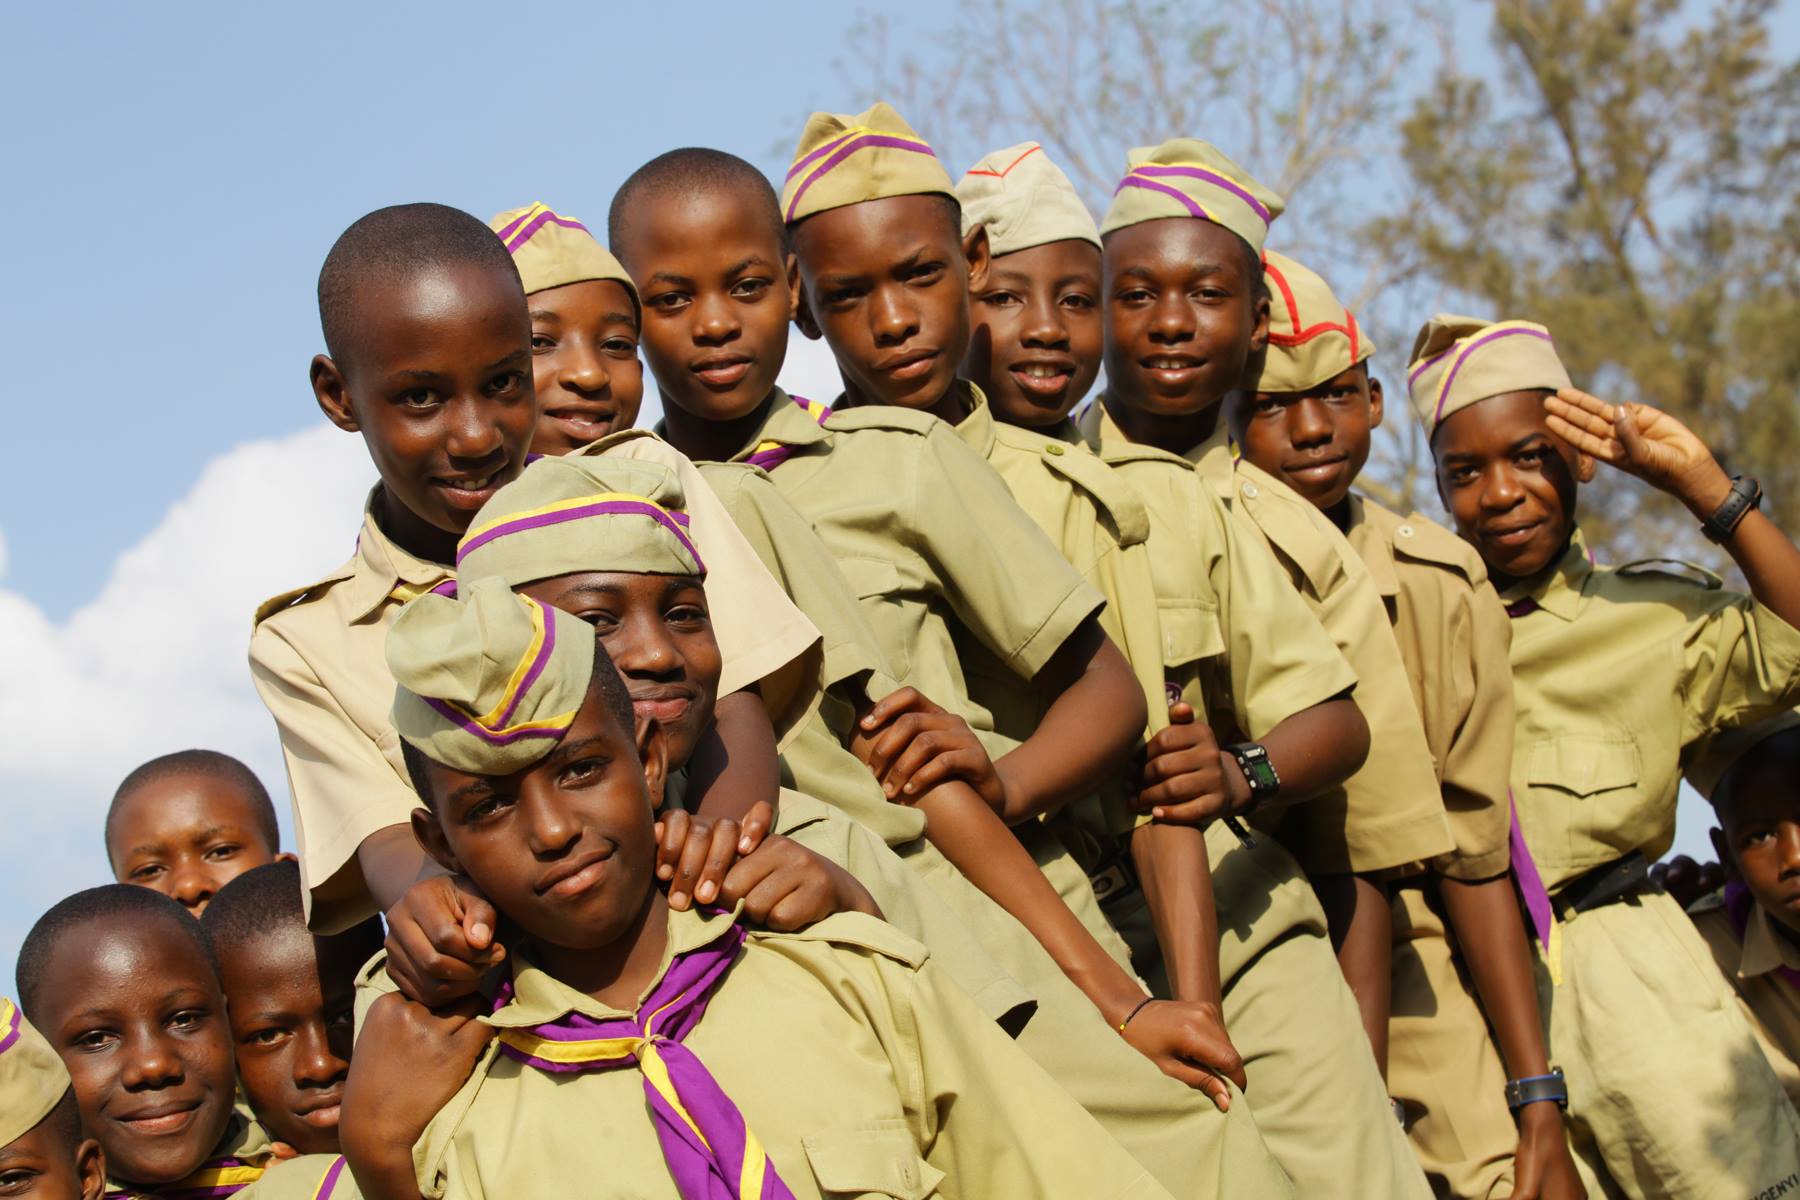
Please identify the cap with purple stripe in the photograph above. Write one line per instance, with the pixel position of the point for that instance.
(1186, 177)
(1459, 361)
(844, 159)
(489, 681)
(32, 1077)
(552, 249)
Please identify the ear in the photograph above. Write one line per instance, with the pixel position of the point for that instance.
(287, 856)
(1376, 411)
(1585, 466)
(803, 316)
(333, 394)
(430, 836)
(793, 282)
(653, 752)
(90, 1168)
(979, 256)
(1259, 314)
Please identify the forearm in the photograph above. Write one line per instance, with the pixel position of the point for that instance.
(383, 1174)
(735, 763)
(1771, 565)
(966, 831)
(391, 861)
(1362, 933)
(1095, 715)
(1176, 877)
(1491, 935)
(1315, 749)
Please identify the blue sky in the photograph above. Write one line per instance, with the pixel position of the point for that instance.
(177, 175)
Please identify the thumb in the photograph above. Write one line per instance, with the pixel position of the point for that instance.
(1181, 713)
(478, 919)
(1625, 426)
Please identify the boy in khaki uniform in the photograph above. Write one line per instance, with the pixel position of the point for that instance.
(315, 654)
(1308, 422)
(1237, 649)
(704, 231)
(1753, 926)
(620, 1014)
(1387, 816)
(42, 1151)
(1619, 676)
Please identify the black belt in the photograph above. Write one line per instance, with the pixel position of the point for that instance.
(1605, 884)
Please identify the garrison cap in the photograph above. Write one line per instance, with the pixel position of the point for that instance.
(849, 159)
(33, 1079)
(552, 250)
(1312, 336)
(1023, 200)
(1186, 177)
(1457, 361)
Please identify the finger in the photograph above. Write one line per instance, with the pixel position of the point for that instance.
(929, 747)
(1213, 1087)
(1576, 400)
(1194, 760)
(1181, 713)
(889, 707)
(694, 854)
(747, 873)
(1625, 428)
(1198, 813)
(892, 741)
(809, 900)
(761, 899)
(1609, 449)
(671, 834)
(756, 825)
(719, 859)
(478, 922)
(965, 764)
(414, 960)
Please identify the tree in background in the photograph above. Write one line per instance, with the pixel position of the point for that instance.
(1617, 169)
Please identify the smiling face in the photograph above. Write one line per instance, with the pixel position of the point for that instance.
(1037, 339)
(886, 283)
(290, 1015)
(1314, 441)
(1183, 315)
(1760, 811)
(134, 1010)
(438, 381)
(717, 298)
(1509, 482)
(564, 847)
(185, 836)
(584, 363)
(659, 636)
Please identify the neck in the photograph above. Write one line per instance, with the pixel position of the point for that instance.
(713, 441)
(1175, 434)
(412, 533)
(1339, 513)
(619, 972)
(1503, 582)
(949, 408)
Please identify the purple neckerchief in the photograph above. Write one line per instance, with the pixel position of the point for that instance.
(769, 455)
(1530, 884)
(1522, 608)
(1737, 906)
(711, 1153)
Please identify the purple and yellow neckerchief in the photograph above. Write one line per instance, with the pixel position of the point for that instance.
(1738, 902)
(712, 1154)
(219, 1177)
(770, 454)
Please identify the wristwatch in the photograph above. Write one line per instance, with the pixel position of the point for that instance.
(1258, 771)
(1745, 495)
(1535, 1088)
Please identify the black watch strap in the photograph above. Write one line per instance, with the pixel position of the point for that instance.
(1745, 495)
(1534, 1089)
(1258, 771)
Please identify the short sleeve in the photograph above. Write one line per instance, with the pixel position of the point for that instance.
(1740, 663)
(1472, 698)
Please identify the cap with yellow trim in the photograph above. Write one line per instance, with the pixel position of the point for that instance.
(850, 159)
(1313, 338)
(33, 1079)
(489, 680)
(1186, 177)
(1023, 200)
(1457, 361)
(552, 250)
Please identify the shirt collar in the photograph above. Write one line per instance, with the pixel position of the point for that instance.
(1376, 552)
(382, 571)
(977, 428)
(1104, 437)
(1765, 948)
(539, 997)
(787, 424)
(1559, 592)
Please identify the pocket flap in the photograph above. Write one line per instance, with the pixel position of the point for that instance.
(871, 1160)
(870, 576)
(1190, 631)
(1584, 764)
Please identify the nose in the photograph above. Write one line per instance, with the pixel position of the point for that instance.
(316, 1065)
(552, 830)
(716, 322)
(641, 647)
(1500, 489)
(1171, 320)
(192, 886)
(1043, 326)
(1309, 424)
(151, 1062)
(474, 434)
(892, 317)
(1787, 846)
(580, 369)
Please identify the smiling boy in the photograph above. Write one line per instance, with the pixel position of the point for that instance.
(550, 814)
(1619, 675)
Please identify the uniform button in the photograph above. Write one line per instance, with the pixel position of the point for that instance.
(1250, 490)
(1405, 531)
(1053, 448)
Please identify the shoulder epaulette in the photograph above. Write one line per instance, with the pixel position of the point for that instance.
(1421, 538)
(881, 416)
(300, 595)
(1119, 499)
(858, 930)
(1672, 568)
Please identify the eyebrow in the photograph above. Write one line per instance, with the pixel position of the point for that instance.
(544, 314)
(680, 583)
(567, 750)
(671, 278)
(755, 260)
(516, 355)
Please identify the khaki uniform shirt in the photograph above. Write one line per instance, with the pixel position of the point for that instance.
(1618, 675)
(318, 657)
(1454, 637)
(1389, 814)
(308, 1177)
(861, 1072)
(1752, 965)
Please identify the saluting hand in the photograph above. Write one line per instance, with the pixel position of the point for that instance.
(912, 745)
(1188, 1042)
(1641, 441)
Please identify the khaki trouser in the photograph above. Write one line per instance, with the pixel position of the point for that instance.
(1442, 1062)
(1669, 1095)
(1314, 1086)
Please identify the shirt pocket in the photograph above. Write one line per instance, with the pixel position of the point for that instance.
(878, 588)
(871, 1161)
(1596, 778)
(1190, 632)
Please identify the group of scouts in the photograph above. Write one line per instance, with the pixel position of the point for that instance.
(965, 787)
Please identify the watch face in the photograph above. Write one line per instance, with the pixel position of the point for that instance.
(1260, 773)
